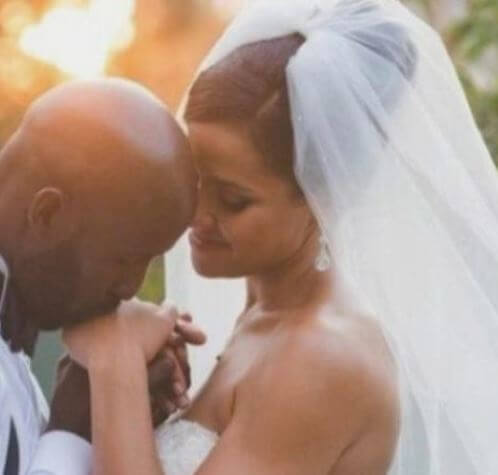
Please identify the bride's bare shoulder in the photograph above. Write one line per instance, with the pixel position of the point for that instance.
(330, 351)
(347, 340)
(339, 345)
(331, 378)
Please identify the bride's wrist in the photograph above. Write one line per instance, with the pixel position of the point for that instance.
(120, 356)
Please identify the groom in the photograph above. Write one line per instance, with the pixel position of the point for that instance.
(96, 181)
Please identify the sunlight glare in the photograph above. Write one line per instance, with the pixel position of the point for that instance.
(80, 40)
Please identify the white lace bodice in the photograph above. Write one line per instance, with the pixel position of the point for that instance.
(183, 445)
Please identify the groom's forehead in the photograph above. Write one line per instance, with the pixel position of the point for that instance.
(149, 232)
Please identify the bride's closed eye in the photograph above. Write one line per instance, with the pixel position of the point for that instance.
(232, 197)
(234, 202)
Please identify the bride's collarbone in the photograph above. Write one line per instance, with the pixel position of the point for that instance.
(255, 343)
(261, 324)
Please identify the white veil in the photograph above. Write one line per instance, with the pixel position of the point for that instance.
(397, 174)
(4, 282)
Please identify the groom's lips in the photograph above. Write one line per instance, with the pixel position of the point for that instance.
(201, 242)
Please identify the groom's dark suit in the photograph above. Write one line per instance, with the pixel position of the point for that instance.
(23, 415)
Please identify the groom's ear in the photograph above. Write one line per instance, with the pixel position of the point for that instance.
(49, 216)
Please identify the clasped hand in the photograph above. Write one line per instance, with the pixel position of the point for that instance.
(157, 334)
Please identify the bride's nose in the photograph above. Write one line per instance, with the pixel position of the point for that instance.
(205, 214)
(204, 221)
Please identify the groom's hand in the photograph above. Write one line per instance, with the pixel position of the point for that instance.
(166, 387)
(70, 408)
(169, 378)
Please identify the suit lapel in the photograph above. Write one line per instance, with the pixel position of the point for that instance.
(12, 463)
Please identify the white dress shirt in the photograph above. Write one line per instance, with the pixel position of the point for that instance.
(23, 407)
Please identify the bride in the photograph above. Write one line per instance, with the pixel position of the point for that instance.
(341, 173)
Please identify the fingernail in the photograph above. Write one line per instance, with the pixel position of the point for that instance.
(183, 401)
(178, 389)
(170, 407)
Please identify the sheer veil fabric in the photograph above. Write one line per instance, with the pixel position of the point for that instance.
(390, 160)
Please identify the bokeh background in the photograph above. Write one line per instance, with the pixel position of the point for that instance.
(160, 43)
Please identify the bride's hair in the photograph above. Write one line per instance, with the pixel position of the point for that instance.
(249, 87)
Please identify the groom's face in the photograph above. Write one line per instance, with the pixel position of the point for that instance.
(103, 263)
(104, 186)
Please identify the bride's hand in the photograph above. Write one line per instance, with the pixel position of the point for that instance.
(135, 326)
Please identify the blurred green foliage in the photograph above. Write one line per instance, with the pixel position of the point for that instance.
(485, 107)
(153, 286)
(478, 30)
(472, 41)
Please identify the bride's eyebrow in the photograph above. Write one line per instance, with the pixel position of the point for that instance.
(232, 185)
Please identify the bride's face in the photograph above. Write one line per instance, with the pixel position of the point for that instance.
(249, 220)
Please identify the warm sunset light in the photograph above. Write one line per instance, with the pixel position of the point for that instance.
(80, 40)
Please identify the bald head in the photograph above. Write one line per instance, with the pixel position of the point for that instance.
(99, 132)
(90, 112)
(98, 167)
(105, 139)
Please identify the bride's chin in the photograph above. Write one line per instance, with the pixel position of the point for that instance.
(213, 269)
(203, 268)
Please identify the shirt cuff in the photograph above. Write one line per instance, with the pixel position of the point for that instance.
(61, 452)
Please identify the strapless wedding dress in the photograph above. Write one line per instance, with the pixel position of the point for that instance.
(183, 445)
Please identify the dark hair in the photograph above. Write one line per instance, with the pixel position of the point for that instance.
(249, 87)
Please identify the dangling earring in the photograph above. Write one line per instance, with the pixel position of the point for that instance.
(323, 260)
